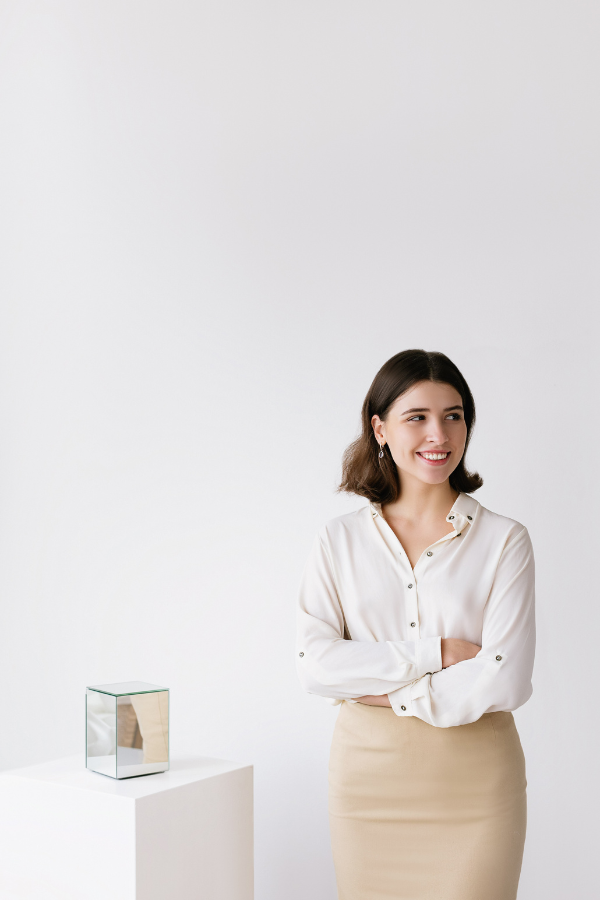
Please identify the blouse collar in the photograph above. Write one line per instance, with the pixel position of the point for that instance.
(464, 511)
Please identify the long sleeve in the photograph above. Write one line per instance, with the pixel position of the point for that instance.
(499, 677)
(336, 668)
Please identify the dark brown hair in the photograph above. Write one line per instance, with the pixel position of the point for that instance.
(377, 479)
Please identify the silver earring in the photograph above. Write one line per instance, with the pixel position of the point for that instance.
(381, 446)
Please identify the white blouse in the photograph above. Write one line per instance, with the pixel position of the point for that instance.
(368, 623)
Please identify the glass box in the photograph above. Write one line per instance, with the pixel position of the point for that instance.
(127, 729)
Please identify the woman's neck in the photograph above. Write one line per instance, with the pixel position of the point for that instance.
(422, 502)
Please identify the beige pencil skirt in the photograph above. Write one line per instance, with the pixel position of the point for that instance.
(424, 813)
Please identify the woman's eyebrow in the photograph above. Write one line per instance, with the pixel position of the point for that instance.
(417, 409)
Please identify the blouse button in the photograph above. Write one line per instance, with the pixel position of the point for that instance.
(301, 654)
(450, 517)
(403, 708)
(498, 658)
(429, 553)
(413, 624)
(470, 518)
(410, 585)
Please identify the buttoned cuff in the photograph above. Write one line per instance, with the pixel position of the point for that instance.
(429, 655)
(402, 699)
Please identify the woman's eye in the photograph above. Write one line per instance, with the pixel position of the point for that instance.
(455, 416)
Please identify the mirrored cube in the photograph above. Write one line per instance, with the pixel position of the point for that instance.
(127, 729)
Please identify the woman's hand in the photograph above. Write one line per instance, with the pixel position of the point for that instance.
(454, 650)
(374, 700)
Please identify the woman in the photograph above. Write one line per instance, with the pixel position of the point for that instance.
(416, 614)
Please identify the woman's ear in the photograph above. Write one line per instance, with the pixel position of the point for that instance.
(378, 429)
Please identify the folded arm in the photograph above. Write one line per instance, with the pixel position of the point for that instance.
(333, 667)
(454, 650)
(499, 676)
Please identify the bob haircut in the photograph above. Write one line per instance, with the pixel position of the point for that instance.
(363, 473)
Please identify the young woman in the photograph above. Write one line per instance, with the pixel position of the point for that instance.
(416, 614)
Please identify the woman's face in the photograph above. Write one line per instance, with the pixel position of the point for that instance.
(425, 431)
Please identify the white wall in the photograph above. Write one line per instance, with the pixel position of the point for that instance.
(218, 221)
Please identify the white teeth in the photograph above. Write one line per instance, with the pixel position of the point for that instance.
(434, 455)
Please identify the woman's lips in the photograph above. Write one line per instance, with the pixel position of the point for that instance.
(434, 462)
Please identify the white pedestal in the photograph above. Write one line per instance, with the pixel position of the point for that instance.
(70, 834)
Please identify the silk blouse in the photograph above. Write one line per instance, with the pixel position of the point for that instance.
(368, 623)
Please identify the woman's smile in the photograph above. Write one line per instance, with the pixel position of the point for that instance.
(434, 459)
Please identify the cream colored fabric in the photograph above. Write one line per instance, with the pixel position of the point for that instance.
(425, 813)
(370, 624)
(152, 711)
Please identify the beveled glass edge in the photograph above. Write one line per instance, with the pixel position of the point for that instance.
(141, 774)
(105, 774)
(157, 690)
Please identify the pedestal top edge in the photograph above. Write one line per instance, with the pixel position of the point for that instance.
(70, 772)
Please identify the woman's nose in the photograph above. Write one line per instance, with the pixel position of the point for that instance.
(437, 433)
